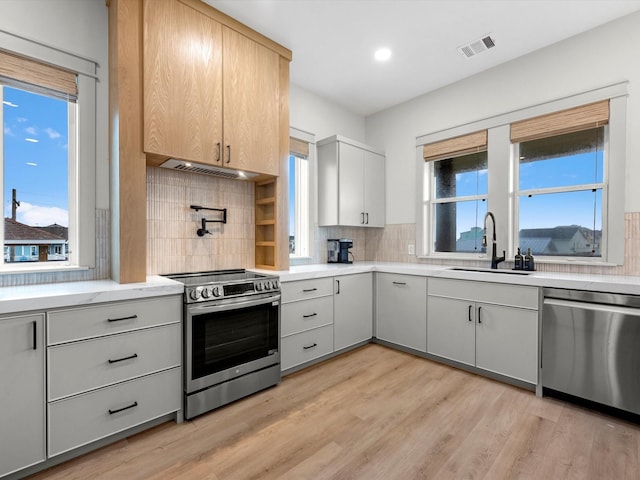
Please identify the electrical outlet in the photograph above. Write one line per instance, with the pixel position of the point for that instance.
(412, 249)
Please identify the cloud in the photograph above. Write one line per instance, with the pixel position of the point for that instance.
(9, 104)
(31, 131)
(8, 131)
(52, 133)
(22, 119)
(39, 216)
(32, 140)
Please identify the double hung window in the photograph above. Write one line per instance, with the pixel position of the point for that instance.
(298, 198)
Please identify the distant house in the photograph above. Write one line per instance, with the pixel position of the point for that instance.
(565, 240)
(24, 243)
(471, 241)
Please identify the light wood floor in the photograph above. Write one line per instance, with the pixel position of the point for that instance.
(376, 413)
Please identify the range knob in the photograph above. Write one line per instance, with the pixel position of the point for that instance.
(194, 294)
(276, 284)
(205, 293)
(216, 291)
(258, 286)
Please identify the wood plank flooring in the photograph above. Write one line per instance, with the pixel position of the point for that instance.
(376, 413)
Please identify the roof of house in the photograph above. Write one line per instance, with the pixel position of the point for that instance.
(557, 233)
(15, 231)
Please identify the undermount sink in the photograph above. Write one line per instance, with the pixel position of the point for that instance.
(489, 270)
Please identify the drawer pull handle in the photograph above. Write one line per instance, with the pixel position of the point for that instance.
(135, 355)
(399, 283)
(134, 404)
(313, 345)
(130, 317)
(310, 315)
(307, 290)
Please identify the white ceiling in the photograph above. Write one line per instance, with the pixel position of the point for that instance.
(333, 41)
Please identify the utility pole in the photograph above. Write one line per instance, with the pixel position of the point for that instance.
(14, 204)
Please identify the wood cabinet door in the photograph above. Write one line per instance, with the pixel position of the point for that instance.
(507, 341)
(182, 82)
(353, 309)
(451, 329)
(374, 198)
(22, 397)
(251, 99)
(350, 185)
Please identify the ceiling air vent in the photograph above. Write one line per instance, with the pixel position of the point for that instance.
(477, 46)
(191, 167)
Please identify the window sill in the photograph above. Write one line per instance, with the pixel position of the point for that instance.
(300, 260)
(35, 267)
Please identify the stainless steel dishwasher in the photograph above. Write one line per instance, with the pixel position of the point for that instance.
(591, 346)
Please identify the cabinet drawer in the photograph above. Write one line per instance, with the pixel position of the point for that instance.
(316, 287)
(306, 314)
(498, 293)
(82, 419)
(81, 323)
(82, 366)
(306, 346)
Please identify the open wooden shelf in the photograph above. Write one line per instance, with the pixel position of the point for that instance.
(266, 224)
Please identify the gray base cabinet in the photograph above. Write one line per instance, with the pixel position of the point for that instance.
(493, 327)
(22, 392)
(352, 310)
(401, 310)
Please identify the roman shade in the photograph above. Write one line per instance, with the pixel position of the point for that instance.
(455, 147)
(298, 147)
(21, 69)
(557, 123)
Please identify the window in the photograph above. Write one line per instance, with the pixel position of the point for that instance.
(555, 186)
(299, 198)
(35, 157)
(47, 157)
(560, 194)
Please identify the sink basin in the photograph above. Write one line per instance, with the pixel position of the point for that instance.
(489, 270)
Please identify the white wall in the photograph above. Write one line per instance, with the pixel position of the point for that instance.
(75, 26)
(600, 57)
(321, 117)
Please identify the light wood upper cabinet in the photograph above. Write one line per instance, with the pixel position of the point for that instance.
(251, 100)
(211, 94)
(182, 82)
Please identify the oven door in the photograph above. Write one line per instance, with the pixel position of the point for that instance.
(228, 340)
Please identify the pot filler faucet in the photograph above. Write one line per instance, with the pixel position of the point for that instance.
(495, 260)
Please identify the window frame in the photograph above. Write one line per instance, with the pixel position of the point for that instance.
(82, 144)
(305, 213)
(501, 176)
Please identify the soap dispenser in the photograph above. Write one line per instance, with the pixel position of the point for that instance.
(528, 261)
(518, 263)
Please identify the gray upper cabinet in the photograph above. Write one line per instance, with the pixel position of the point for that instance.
(22, 396)
(350, 183)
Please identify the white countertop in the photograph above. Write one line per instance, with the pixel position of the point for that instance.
(68, 294)
(599, 283)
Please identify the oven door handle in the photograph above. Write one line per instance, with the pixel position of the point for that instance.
(234, 306)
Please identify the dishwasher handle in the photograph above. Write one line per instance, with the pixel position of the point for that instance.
(596, 307)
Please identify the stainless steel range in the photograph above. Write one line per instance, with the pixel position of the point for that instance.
(231, 336)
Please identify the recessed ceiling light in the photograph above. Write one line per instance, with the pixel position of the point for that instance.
(383, 54)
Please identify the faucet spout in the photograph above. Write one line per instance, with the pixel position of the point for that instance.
(495, 259)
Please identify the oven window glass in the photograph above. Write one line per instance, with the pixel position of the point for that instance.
(226, 339)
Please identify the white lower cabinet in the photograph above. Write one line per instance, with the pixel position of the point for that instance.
(493, 327)
(117, 370)
(352, 309)
(307, 321)
(22, 392)
(401, 310)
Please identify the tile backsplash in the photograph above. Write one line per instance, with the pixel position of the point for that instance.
(172, 243)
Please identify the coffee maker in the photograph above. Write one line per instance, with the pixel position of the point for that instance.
(339, 250)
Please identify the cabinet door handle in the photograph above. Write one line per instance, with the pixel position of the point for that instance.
(307, 290)
(362, 218)
(134, 404)
(219, 145)
(135, 355)
(310, 315)
(470, 307)
(399, 283)
(130, 317)
(338, 283)
(228, 154)
(479, 319)
(367, 222)
(307, 347)
(35, 335)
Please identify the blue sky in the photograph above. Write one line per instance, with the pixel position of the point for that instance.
(36, 157)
